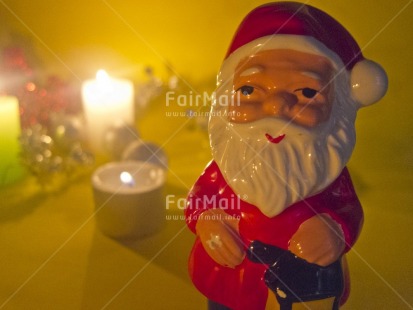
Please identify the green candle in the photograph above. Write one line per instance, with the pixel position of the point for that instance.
(10, 168)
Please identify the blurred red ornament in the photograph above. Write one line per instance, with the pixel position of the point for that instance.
(37, 100)
(14, 59)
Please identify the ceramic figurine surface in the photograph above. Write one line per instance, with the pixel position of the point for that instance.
(275, 211)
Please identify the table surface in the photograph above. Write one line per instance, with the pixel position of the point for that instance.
(54, 257)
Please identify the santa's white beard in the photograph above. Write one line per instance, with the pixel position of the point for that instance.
(274, 176)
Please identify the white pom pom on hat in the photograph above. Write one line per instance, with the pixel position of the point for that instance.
(368, 79)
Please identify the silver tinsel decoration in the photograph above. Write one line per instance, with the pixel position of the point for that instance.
(55, 153)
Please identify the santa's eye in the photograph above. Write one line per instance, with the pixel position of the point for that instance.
(246, 90)
(308, 92)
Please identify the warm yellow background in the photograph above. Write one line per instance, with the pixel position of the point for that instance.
(75, 38)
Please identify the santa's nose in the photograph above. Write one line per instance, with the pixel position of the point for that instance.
(278, 103)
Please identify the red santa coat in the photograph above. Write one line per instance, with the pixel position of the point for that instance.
(243, 288)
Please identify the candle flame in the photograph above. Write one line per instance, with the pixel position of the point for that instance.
(104, 82)
(127, 179)
(102, 75)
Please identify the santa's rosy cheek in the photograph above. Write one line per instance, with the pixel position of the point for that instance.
(244, 111)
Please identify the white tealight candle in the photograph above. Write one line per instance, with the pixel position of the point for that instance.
(128, 198)
(106, 101)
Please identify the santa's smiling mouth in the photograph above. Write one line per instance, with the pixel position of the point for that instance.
(274, 139)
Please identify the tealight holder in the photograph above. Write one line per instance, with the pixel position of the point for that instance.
(128, 198)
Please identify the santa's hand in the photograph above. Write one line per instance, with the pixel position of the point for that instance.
(319, 240)
(218, 232)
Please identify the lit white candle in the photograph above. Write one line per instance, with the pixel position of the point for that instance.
(10, 169)
(106, 101)
(129, 198)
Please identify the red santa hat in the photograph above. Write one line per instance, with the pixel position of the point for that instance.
(297, 26)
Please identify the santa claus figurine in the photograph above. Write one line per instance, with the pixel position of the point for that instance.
(275, 211)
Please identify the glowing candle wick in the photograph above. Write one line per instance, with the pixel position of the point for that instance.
(127, 179)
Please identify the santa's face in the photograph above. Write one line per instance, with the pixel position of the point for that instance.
(286, 134)
(286, 84)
